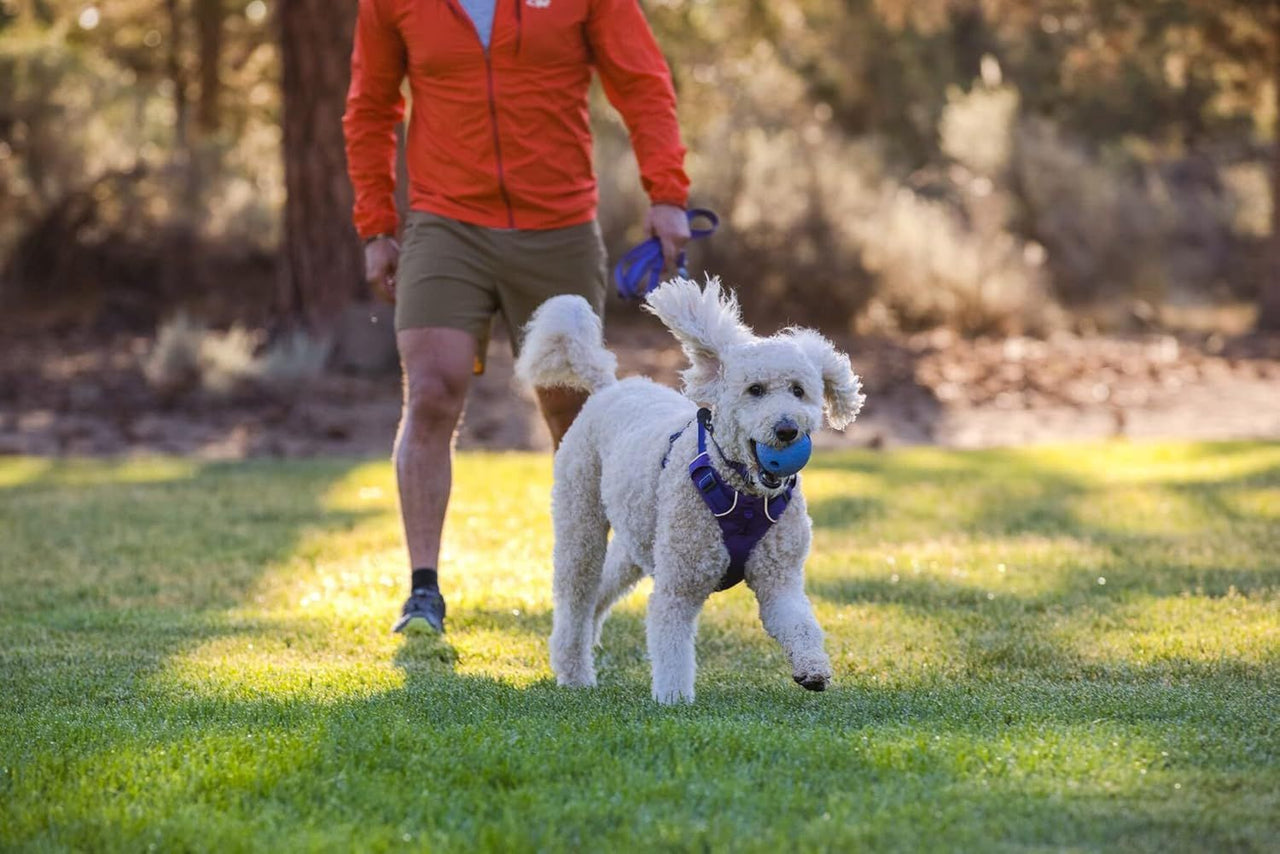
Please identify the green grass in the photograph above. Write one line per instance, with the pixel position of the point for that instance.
(1066, 648)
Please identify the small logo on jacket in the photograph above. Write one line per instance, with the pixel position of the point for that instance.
(537, 4)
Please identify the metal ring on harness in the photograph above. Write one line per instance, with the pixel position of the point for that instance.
(640, 270)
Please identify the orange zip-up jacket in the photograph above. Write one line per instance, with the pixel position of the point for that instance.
(501, 137)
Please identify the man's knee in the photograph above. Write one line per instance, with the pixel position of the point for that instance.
(437, 369)
(433, 402)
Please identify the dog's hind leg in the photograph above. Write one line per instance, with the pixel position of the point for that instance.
(582, 532)
(620, 575)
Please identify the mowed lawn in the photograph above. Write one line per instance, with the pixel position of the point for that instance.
(1066, 648)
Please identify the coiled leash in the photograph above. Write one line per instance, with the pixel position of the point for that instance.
(640, 270)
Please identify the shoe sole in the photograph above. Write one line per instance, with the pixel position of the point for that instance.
(417, 626)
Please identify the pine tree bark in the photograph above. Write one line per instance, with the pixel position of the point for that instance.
(1269, 289)
(322, 261)
(178, 79)
(210, 23)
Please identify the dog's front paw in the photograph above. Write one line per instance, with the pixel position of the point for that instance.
(812, 681)
(813, 675)
(812, 670)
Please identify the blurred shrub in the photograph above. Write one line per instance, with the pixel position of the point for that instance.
(292, 360)
(109, 210)
(1010, 229)
(950, 259)
(875, 165)
(107, 252)
(173, 367)
(879, 167)
(189, 357)
(1118, 228)
(818, 231)
(935, 268)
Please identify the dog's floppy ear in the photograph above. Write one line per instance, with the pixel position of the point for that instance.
(706, 322)
(841, 388)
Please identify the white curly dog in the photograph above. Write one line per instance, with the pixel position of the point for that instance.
(621, 466)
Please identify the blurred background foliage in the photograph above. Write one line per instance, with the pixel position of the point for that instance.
(994, 166)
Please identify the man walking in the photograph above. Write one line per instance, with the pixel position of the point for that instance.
(502, 196)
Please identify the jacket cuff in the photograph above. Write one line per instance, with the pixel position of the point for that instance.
(667, 186)
(385, 224)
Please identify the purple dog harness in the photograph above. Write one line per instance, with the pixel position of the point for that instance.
(743, 519)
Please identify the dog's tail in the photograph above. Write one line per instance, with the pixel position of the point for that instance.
(564, 346)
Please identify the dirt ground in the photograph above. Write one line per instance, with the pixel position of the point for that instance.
(79, 394)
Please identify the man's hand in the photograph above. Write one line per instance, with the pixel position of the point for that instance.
(670, 224)
(381, 257)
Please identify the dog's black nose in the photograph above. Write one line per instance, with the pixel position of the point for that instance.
(786, 432)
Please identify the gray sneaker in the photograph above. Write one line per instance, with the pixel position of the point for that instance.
(423, 613)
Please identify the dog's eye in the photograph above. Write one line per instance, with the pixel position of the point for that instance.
(797, 389)
(755, 390)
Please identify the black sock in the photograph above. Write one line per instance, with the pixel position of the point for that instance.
(425, 577)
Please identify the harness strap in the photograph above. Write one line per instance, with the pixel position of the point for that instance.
(744, 519)
(671, 443)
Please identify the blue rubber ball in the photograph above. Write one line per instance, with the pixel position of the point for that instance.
(784, 462)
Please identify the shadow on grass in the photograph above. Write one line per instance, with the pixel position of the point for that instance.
(464, 761)
(844, 511)
(454, 760)
(1105, 568)
(1014, 497)
(535, 621)
(104, 579)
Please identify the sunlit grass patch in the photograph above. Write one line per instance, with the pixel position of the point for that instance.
(1185, 633)
(37, 472)
(1068, 647)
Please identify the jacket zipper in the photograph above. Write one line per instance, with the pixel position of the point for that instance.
(497, 142)
(493, 104)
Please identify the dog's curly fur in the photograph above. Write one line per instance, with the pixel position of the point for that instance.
(609, 475)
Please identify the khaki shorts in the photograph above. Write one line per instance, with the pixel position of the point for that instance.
(459, 276)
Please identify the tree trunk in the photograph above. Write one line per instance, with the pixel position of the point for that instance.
(187, 173)
(178, 78)
(1269, 289)
(322, 261)
(210, 19)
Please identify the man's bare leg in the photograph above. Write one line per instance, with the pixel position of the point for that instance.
(559, 407)
(437, 364)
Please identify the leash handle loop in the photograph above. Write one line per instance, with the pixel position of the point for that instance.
(709, 216)
(640, 269)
